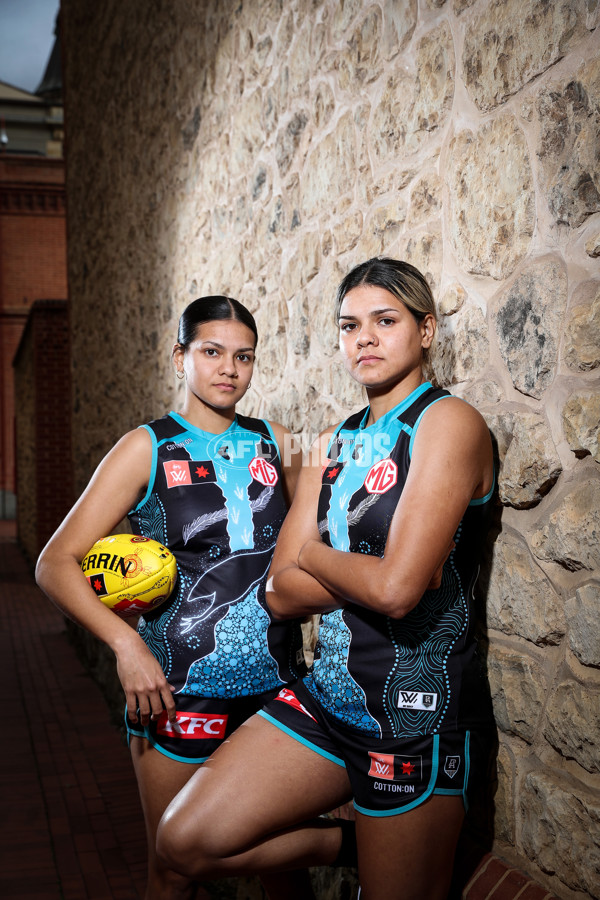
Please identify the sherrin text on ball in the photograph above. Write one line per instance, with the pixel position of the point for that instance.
(131, 574)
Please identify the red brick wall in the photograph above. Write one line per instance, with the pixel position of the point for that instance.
(32, 267)
(33, 258)
(44, 461)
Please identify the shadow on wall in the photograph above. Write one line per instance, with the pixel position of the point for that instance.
(478, 833)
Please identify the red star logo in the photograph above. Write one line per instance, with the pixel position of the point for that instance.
(97, 585)
(201, 472)
(407, 768)
(333, 472)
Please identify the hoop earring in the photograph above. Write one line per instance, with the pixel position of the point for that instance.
(180, 375)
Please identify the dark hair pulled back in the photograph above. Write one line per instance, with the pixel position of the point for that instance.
(402, 280)
(209, 309)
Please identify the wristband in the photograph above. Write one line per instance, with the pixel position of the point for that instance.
(269, 586)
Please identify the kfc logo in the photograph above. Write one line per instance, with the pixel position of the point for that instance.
(192, 726)
(263, 471)
(381, 477)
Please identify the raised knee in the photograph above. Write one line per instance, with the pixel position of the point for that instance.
(178, 847)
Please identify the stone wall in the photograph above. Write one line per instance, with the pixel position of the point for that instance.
(260, 149)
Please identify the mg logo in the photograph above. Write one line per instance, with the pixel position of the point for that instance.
(382, 476)
(263, 471)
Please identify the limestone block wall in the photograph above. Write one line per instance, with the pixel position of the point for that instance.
(260, 148)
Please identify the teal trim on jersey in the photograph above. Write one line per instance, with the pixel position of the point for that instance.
(274, 439)
(396, 410)
(479, 501)
(382, 813)
(301, 740)
(208, 435)
(383, 420)
(152, 478)
(418, 422)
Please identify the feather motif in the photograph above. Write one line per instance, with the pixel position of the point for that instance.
(201, 523)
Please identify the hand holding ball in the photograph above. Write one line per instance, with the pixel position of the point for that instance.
(129, 573)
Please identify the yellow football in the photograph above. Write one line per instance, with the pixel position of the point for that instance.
(129, 573)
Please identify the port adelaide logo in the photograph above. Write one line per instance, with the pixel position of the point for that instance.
(417, 700)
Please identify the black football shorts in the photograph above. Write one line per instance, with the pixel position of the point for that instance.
(203, 723)
(388, 776)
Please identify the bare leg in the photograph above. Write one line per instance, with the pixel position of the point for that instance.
(250, 808)
(409, 857)
(159, 779)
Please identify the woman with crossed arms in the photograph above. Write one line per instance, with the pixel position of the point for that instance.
(383, 541)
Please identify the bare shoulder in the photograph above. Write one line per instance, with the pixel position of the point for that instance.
(282, 434)
(115, 487)
(128, 463)
(455, 415)
(290, 448)
(134, 443)
(466, 443)
(136, 438)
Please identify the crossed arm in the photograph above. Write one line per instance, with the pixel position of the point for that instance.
(451, 464)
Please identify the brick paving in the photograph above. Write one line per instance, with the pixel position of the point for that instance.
(71, 823)
(71, 826)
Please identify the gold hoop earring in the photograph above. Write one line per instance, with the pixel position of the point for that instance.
(180, 375)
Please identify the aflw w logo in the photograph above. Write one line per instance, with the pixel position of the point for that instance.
(395, 767)
(382, 765)
(417, 700)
